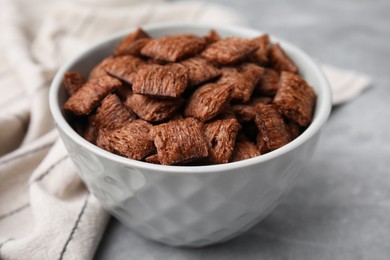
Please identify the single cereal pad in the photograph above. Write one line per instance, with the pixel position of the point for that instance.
(280, 61)
(200, 70)
(112, 114)
(90, 94)
(244, 150)
(268, 84)
(132, 43)
(229, 50)
(272, 128)
(260, 56)
(173, 48)
(221, 137)
(168, 81)
(153, 109)
(179, 141)
(295, 98)
(132, 140)
(242, 79)
(124, 67)
(208, 101)
(73, 81)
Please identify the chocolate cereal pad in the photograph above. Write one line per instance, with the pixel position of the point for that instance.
(190, 99)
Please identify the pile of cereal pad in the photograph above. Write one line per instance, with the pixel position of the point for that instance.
(190, 100)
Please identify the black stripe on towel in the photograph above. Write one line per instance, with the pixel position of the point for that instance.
(14, 211)
(76, 224)
(2, 244)
(24, 206)
(43, 175)
(28, 152)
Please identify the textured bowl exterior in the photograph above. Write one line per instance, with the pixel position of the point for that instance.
(189, 206)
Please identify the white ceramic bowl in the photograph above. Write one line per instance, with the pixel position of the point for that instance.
(181, 205)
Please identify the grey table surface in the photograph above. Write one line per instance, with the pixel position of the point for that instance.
(340, 205)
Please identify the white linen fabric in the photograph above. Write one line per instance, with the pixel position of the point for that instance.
(45, 210)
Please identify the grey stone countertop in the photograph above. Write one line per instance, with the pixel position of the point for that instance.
(340, 205)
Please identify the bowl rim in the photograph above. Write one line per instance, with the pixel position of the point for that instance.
(323, 107)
